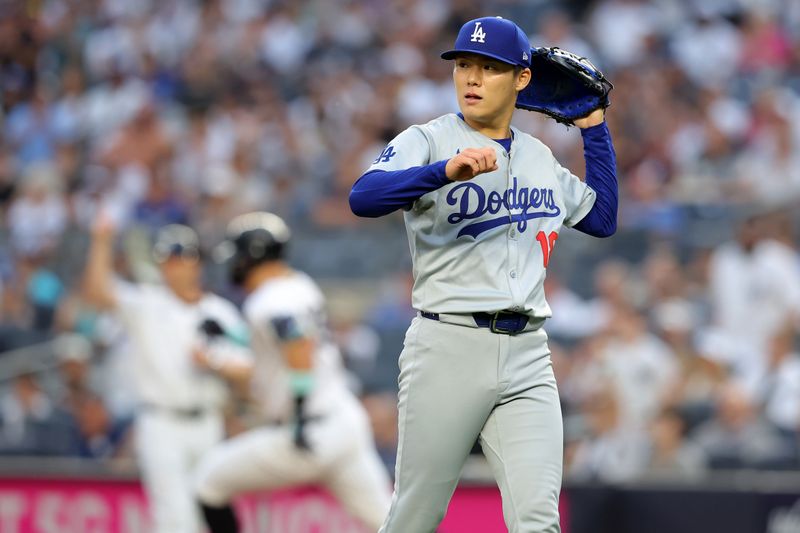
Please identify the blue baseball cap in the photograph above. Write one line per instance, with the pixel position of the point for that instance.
(493, 37)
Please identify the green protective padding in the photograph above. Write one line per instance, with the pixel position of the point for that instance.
(301, 382)
(240, 336)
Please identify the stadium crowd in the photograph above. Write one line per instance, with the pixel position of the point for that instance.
(675, 342)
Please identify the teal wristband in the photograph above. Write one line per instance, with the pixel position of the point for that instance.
(241, 336)
(300, 382)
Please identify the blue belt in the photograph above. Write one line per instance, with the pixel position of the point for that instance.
(503, 322)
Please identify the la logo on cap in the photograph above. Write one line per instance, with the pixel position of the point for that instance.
(478, 35)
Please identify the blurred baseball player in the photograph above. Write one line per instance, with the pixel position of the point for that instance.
(322, 435)
(484, 203)
(180, 358)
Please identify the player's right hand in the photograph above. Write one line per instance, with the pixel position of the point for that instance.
(103, 226)
(299, 436)
(471, 162)
(300, 420)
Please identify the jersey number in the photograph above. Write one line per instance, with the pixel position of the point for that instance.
(547, 242)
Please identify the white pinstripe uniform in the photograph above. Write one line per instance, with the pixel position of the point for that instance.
(342, 457)
(180, 418)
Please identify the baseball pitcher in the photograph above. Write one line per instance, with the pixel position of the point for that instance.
(484, 204)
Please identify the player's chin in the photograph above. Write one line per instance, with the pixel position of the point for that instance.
(474, 113)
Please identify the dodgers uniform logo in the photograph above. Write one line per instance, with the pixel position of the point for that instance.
(385, 155)
(478, 36)
(523, 204)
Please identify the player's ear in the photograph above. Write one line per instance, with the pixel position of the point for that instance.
(523, 78)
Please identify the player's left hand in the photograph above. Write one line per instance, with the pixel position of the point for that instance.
(564, 86)
(592, 119)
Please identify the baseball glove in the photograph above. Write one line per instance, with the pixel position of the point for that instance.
(211, 328)
(563, 85)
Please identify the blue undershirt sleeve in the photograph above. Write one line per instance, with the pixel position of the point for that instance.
(380, 192)
(601, 176)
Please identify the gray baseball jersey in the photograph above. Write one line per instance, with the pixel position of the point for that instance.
(514, 212)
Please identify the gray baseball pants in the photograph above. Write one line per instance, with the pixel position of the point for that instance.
(457, 384)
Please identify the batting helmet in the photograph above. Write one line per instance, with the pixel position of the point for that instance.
(176, 240)
(252, 239)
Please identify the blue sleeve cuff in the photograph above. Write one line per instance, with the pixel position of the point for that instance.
(601, 176)
(438, 171)
(596, 132)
